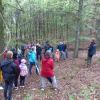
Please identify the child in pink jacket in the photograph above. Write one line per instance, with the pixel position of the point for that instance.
(23, 72)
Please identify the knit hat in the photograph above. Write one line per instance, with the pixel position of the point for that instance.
(61, 42)
(47, 54)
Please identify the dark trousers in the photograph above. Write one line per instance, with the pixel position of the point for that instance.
(30, 67)
(39, 57)
(22, 80)
(8, 90)
(66, 53)
(49, 79)
(89, 60)
(16, 81)
(23, 53)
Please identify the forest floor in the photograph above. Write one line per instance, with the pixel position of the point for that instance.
(75, 81)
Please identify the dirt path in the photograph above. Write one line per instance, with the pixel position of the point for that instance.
(75, 81)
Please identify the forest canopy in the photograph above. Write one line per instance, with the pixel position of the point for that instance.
(56, 20)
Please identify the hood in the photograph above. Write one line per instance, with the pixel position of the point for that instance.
(30, 51)
(93, 43)
(22, 65)
(6, 62)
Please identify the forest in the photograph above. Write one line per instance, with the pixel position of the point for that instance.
(38, 20)
(74, 22)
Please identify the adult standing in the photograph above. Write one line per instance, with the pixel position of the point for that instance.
(61, 47)
(9, 71)
(32, 61)
(39, 52)
(47, 46)
(91, 51)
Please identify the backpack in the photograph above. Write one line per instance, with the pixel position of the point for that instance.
(8, 72)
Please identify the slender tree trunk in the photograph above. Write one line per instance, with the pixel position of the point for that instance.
(97, 22)
(98, 32)
(78, 31)
(2, 42)
(16, 35)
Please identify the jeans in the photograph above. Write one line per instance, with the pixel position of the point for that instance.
(66, 52)
(36, 66)
(89, 60)
(52, 80)
(22, 80)
(8, 90)
(30, 67)
(62, 55)
(16, 80)
(39, 57)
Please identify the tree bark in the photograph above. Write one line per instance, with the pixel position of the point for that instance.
(98, 32)
(78, 31)
(2, 42)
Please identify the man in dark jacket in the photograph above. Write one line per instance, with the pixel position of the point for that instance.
(65, 50)
(62, 48)
(91, 51)
(9, 71)
(23, 50)
(39, 51)
(47, 46)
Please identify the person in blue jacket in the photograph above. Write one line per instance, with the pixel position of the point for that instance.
(9, 71)
(32, 61)
(91, 51)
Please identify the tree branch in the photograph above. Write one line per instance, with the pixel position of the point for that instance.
(12, 6)
(19, 5)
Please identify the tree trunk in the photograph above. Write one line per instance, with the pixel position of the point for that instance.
(97, 21)
(98, 32)
(1, 30)
(78, 31)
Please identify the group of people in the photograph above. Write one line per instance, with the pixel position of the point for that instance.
(18, 63)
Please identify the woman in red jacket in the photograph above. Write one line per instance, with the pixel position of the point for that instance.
(47, 71)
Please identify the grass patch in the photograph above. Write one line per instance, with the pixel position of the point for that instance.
(28, 97)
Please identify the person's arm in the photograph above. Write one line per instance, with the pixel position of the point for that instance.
(52, 64)
(94, 49)
(89, 47)
(1, 65)
(14, 68)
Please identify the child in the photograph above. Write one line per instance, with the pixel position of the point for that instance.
(23, 72)
(57, 55)
(47, 71)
